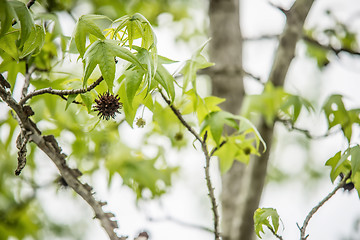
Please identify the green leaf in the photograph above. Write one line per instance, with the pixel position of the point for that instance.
(245, 124)
(339, 164)
(197, 61)
(133, 79)
(35, 41)
(25, 19)
(355, 159)
(267, 104)
(165, 60)
(293, 105)
(123, 53)
(70, 99)
(262, 217)
(88, 100)
(166, 80)
(8, 44)
(85, 26)
(100, 53)
(318, 53)
(355, 179)
(51, 17)
(216, 121)
(6, 16)
(336, 113)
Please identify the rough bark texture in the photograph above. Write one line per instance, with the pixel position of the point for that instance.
(242, 186)
(226, 53)
(50, 147)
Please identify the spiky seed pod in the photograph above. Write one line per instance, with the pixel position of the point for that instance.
(107, 105)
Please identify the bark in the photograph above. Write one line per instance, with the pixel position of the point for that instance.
(242, 186)
(226, 75)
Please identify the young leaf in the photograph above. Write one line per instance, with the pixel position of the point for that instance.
(8, 44)
(6, 16)
(197, 61)
(84, 27)
(133, 79)
(339, 164)
(262, 217)
(355, 159)
(166, 80)
(100, 53)
(25, 19)
(35, 41)
(88, 100)
(70, 99)
(216, 121)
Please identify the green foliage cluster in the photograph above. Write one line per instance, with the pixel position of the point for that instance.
(262, 218)
(124, 53)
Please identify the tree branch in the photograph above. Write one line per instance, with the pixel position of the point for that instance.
(29, 71)
(61, 92)
(183, 223)
(313, 41)
(50, 147)
(254, 175)
(207, 166)
(290, 126)
(303, 235)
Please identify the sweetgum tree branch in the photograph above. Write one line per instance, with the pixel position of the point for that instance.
(337, 51)
(61, 92)
(291, 127)
(207, 155)
(254, 177)
(50, 147)
(303, 235)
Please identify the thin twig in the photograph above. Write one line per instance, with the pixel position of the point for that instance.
(290, 126)
(183, 223)
(217, 148)
(207, 165)
(303, 235)
(257, 78)
(30, 3)
(29, 71)
(180, 117)
(60, 92)
(211, 190)
(275, 234)
(262, 37)
(329, 47)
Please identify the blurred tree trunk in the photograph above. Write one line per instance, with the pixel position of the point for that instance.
(242, 185)
(227, 82)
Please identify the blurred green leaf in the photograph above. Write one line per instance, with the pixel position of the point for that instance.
(262, 217)
(35, 41)
(25, 19)
(8, 44)
(6, 16)
(197, 61)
